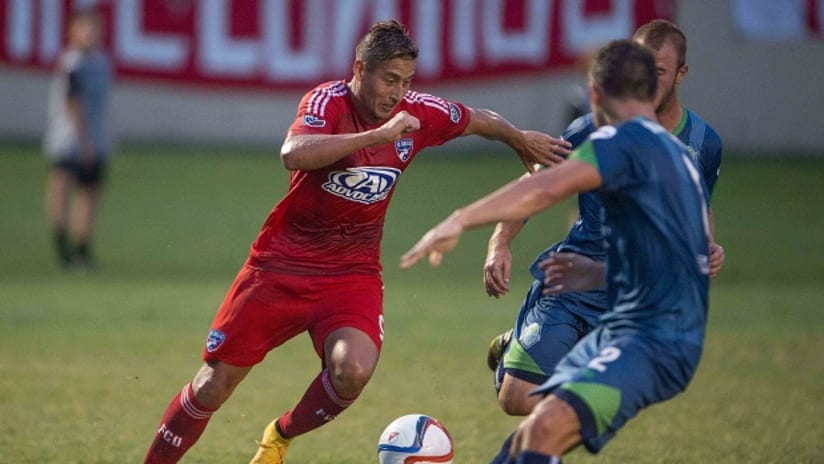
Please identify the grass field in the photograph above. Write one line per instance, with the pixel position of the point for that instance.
(88, 362)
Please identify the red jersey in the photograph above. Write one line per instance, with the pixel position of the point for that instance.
(331, 219)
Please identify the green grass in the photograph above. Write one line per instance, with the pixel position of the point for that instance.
(88, 362)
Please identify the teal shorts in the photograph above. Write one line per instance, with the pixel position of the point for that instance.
(546, 329)
(608, 378)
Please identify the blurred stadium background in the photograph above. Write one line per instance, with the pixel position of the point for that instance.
(205, 91)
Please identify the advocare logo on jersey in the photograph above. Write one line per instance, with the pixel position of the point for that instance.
(362, 184)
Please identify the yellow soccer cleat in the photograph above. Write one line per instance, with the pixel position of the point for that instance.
(496, 349)
(272, 447)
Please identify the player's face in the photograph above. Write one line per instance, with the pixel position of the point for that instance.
(669, 77)
(84, 32)
(383, 87)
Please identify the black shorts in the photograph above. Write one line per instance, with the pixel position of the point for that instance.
(89, 174)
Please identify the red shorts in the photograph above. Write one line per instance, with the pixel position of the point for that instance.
(265, 309)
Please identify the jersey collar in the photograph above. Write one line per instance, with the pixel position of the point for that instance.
(683, 122)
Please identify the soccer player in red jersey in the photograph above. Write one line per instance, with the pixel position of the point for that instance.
(315, 266)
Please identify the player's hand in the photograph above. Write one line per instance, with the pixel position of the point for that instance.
(497, 270)
(571, 272)
(542, 149)
(717, 258)
(439, 240)
(400, 125)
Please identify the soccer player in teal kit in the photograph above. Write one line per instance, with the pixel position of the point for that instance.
(548, 326)
(657, 231)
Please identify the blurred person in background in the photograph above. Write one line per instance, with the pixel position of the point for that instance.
(315, 266)
(548, 326)
(77, 140)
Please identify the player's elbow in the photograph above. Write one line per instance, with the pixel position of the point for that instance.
(290, 156)
(288, 161)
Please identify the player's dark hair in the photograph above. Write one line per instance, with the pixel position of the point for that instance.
(658, 31)
(625, 69)
(386, 40)
(86, 12)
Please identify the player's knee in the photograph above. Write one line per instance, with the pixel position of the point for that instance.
(213, 387)
(211, 393)
(350, 377)
(556, 423)
(514, 405)
(514, 396)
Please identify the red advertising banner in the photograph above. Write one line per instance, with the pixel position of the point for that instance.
(296, 43)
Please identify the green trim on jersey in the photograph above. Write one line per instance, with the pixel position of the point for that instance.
(586, 153)
(682, 123)
(603, 401)
(517, 358)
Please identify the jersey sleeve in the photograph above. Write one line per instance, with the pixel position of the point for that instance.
(319, 110)
(579, 129)
(710, 160)
(441, 120)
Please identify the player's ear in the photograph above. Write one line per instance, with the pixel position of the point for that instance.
(682, 73)
(357, 69)
(594, 96)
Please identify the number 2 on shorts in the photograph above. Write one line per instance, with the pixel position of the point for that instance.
(607, 355)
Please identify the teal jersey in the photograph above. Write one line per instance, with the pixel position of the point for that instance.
(704, 145)
(656, 231)
(586, 237)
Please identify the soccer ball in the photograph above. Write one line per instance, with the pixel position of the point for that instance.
(415, 438)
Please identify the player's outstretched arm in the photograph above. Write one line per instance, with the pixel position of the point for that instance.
(514, 201)
(314, 151)
(532, 147)
(571, 272)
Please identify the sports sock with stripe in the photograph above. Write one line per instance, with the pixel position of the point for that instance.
(182, 424)
(319, 405)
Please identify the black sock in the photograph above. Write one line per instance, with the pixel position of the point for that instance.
(503, 455)
(531, 457)
(64, 251)
(82, 250)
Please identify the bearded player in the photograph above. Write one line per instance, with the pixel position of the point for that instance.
(548, 326)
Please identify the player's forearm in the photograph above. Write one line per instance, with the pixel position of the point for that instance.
(512, 202)
(493, 126)
(506, 231)
(504, 234)
(711, 219)
(307, 152)
(526, 196)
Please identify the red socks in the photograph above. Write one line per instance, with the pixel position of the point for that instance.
(319, 405)
(182, 424)
(185, 420)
